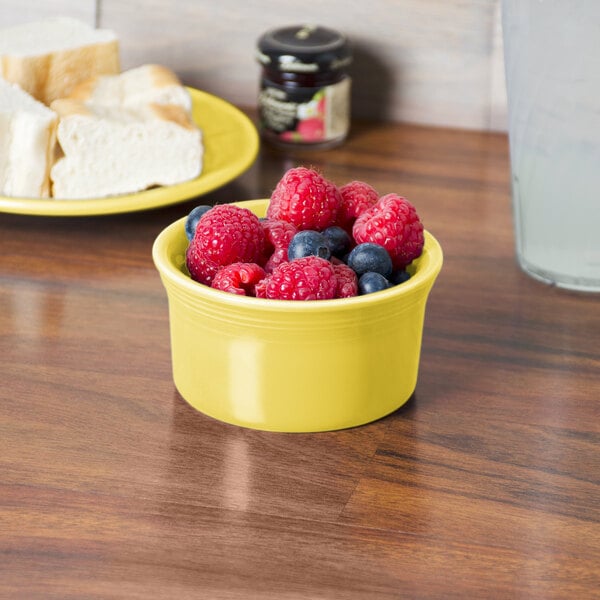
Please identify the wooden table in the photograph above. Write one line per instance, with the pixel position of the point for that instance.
(485, 485)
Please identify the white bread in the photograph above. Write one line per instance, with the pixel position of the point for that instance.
(27, 143)
(149, 83)
(48, 58)
(113, 150)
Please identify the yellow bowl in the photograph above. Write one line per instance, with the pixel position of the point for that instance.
(293, 366)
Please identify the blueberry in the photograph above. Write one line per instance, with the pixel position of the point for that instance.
(308, 243)
(338, 239)
(399, 277)
(370, 257)
(370, 282)
(193, 218)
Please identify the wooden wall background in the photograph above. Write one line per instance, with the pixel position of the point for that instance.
(435, 62)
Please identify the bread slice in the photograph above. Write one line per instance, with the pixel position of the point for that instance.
(27, 143)
(148, 83)
(48, 58)
(113, 150)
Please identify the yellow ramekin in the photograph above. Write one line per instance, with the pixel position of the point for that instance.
(293, 366)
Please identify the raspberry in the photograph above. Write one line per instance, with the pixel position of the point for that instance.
(238, 278)
(278, 235)
(357, 196)
(308, 278)
(279, 256)
(226, 234)
(306, 199)
(347, 281)
(394, 224)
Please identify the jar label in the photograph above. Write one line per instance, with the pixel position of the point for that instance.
(305, 115)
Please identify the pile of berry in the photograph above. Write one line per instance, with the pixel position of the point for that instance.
(317, 242)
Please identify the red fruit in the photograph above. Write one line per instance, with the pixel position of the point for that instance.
(238, 278)
(226, 234)
(394, 224)
(307, 278)
(278, 235)
(277, 257)
(306, 199)
(311, 130)
(347, 281)
(357, 197)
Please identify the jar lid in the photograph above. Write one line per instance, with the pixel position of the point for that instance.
(304, 49)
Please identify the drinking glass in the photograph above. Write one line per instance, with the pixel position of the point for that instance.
(552, 61)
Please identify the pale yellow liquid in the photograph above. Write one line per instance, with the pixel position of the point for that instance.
(552, 51)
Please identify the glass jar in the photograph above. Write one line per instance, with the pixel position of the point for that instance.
(304, 97)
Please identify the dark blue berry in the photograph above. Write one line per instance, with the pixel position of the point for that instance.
(370, 257)
(309, 243)
(372, 282)
(193, 218)
(399, 277)
(338, 239)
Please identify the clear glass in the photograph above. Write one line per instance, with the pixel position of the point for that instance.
(552, 57)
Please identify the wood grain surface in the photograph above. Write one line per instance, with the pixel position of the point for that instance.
(485, 485)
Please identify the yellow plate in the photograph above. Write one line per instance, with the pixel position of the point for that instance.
(230, 147)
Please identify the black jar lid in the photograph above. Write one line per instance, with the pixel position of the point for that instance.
(304, 49)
